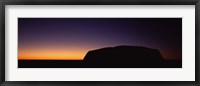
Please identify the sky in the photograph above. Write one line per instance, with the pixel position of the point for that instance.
(72, 38)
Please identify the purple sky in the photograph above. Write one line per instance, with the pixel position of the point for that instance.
(164, 34)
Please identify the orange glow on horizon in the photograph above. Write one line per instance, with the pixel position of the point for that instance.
(51, 53)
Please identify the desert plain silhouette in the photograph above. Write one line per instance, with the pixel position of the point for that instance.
(110, 57)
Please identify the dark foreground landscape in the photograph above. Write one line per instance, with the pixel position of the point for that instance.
(110, 57)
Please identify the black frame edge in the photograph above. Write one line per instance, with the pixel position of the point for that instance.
(97, 83)
(92, 2)
(2, 42)
(197, 41)
(102, 2)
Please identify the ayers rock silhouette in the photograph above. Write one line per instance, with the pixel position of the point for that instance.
(125, 56)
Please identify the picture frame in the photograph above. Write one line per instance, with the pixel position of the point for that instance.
(98, 2)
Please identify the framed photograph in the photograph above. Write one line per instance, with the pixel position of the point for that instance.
(101, 42)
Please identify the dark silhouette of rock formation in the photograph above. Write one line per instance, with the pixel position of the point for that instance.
(110, 57)
(125, 56)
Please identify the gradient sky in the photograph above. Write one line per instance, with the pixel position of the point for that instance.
(72, 38)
